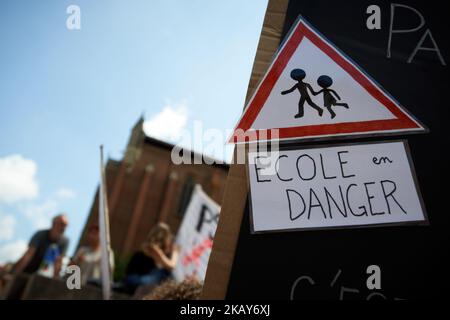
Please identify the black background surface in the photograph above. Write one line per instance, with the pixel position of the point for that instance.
(413, 259)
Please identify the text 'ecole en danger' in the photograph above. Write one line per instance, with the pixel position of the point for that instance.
(312, 90)
(338, 186)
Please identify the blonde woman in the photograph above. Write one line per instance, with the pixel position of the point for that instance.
(155, 261)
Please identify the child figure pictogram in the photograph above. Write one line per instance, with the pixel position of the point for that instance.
(302, 87)
(328, 99)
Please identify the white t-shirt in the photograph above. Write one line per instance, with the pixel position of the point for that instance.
(89, 262)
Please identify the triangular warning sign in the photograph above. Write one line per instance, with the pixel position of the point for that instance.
(312, 90)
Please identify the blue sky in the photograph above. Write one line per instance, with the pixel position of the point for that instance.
(65, 92)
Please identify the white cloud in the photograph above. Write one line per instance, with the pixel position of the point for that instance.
(12, 251)
(169, 123)
(7, 226)
(65, 193)
(17, 179)
(41, 214)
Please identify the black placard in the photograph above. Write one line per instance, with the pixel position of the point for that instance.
(331, 264)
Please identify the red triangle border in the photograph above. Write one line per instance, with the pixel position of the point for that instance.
(262, 92)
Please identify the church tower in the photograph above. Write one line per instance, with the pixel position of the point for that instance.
(135, 143)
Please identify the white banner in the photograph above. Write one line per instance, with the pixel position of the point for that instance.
(195, 236)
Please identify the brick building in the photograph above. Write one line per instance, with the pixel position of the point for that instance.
(145, 187)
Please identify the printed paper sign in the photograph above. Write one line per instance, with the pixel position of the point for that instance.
(339, 186)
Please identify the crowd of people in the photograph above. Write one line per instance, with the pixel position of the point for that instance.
(149, 268)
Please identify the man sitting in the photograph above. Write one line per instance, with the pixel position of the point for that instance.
(45, 250)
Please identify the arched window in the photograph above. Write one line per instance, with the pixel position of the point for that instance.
(186, 193)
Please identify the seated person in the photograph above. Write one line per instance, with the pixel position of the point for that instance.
(88, 258)
(45, 250)
(4, 276)
(155, 261)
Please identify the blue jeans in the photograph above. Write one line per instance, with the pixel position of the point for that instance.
(155, 277)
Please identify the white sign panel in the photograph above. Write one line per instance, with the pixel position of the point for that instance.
(196, 235)
(339, 186)
(313, 90)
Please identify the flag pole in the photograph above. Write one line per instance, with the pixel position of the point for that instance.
(104, 233)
